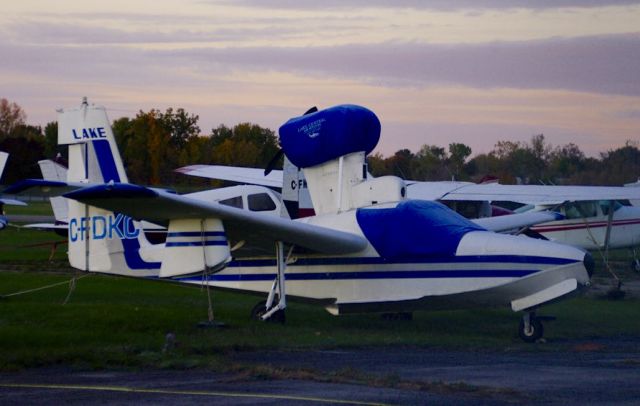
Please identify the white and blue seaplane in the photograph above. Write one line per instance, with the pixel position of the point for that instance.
(367, 249)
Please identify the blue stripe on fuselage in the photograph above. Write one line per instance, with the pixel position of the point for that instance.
(516, 259)
(196, 234)
(308, 276)
(387, 274)
(194, 243)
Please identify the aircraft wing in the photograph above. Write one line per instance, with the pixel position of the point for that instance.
(515, 222)
(43, 187)
(254, 176)
(159, 206)
(528, 194)
(11, 202)
(46, 226)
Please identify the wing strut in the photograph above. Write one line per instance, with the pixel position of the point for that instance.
(278, 284)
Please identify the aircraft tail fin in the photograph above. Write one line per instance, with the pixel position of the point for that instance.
(100, 240)
(55, 172)
(3, 162)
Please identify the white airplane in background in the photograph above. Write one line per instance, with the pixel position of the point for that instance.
(3, 219)
(591, 216)
(367, 249)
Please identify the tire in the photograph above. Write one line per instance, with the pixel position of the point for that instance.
(536, 332)
(260, 309)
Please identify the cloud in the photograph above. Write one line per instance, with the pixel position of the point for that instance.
(43, 32)
(442, 5)
(602, 64)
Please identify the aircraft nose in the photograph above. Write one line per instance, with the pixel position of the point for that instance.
(589, 263)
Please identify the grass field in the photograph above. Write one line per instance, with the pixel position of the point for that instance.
(33, 208)
(120, 322)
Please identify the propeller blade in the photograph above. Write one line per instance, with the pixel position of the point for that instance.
(311, 110)
(273, 162)
(278, 155)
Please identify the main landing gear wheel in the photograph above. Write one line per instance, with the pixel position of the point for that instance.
(533, 331)
(261, 308)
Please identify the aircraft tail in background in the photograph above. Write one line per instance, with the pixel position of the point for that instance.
(53, 171)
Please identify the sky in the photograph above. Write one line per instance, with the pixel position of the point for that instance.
(435, 72)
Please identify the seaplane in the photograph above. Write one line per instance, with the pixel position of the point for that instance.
(367, 248)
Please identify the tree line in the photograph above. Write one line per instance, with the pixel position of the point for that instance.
(534, 162)
(154, 143)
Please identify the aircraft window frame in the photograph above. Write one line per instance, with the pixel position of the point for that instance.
(235, 201)
(604, 206)
(261, 202)
(582, 209)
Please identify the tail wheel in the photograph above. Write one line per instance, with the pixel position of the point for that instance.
(261, 308)
(533, 333)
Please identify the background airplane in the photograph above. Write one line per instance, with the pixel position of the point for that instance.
(3, 219)
(585, 220)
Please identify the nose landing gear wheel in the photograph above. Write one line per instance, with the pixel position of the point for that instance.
(533, 331)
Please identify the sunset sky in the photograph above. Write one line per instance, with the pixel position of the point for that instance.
(435, 72)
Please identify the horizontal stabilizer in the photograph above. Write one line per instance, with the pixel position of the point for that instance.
(12, 202)
(43, 187)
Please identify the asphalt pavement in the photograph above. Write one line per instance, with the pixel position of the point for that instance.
(598, 371)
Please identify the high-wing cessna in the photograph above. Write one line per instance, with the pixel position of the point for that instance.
(592, 216)
(367, 249)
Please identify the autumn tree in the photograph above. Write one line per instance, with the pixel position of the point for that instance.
(11, 116)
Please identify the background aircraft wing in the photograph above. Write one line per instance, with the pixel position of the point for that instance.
(46, 226)
(261, 231)
(253, 176)
(43, 187)
(528, 194)
(515, 222)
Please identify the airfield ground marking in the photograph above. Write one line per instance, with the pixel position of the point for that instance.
(126, 389)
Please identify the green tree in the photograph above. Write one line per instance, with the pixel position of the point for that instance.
(458, 154)
(245, 144)
(429, 164)
(51, 148)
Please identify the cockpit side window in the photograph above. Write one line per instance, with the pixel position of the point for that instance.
(260, 202)
(578, 210)
(232, 201)
(604, 205)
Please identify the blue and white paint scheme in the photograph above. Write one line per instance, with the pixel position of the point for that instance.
(368, 248)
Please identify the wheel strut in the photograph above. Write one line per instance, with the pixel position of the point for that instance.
(278, 286)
